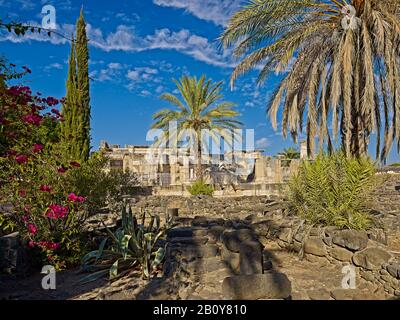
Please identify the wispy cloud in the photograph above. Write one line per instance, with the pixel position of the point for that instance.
(263, 143)
(125, 39)
(216, 11)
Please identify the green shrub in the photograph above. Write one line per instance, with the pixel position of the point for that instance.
(200, 188)
(334, 191)
(101, 187)
(133, 246)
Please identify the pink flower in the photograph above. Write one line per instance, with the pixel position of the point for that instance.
(57, 212)
(81, 199)
(33, 119)
(73, 197)
(25, 218)
(53, 246)
(32, 229)
(62, 170)
(32, 244)
(21, 159)
(37, 148)
(45, 188)
(22, 193)
(48, 245)
(75, 164)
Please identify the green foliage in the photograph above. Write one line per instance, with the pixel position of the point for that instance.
(200, 188)
(76, 109)
(334, 191)
(100, 186)
(82, 64)
(290, 153)
(132, 247)
(199, 108)
(32, 177)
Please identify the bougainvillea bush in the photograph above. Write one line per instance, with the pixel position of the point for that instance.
(33, 172)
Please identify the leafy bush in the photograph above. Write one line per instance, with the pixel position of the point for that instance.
(45, 213)
(102, 188)
(200, 188)
(132, 247)
(334, 191)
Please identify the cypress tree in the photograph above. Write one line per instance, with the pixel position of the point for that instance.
(69, 132)
(75, 129)
(83, 85)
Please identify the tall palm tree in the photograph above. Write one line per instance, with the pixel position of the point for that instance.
(341, 59)
(290, 153)
(199, 109)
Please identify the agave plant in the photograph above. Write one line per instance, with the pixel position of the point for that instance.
(133, 246)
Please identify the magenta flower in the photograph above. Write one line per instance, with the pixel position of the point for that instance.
(32, 229)
(37, 148)
(57, 212)
(33, 119)
(22, 193)
(75, 164)
(62, 170)
(73, 197)
(45, 188)
(21, 159)
(32, 244)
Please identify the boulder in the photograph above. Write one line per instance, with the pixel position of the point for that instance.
(315, 246)
(251, 261)
(371, 258)
(262, 227)
(215, 232)
(394, 270)
(344, 294)
(285, 234)
(351, 239)
(341, 254)
(319, 294)
(257, 286)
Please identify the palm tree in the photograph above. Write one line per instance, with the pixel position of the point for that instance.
(341, 62)
(290, 153)
(199, 109)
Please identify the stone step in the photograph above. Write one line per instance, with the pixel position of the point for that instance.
(204, 265)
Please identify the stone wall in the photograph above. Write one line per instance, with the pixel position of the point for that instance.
(368, 252)
(12, 254)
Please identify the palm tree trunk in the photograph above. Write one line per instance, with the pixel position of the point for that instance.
(199, 168)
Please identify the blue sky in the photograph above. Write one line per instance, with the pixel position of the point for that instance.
(136, 48)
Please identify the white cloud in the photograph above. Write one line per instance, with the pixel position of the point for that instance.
(125, 39)
(55, 65)
(263, 143)
(111, 73)
(216, 11)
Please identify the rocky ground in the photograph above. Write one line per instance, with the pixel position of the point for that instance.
(248, 249)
